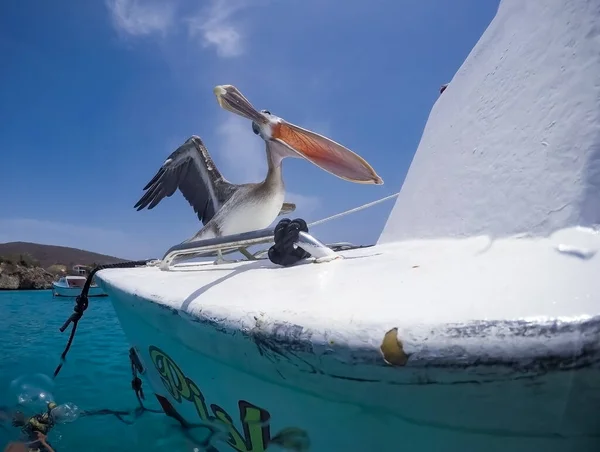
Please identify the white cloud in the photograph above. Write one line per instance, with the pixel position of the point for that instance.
(141, 18)
(217, 28)
(214, 25)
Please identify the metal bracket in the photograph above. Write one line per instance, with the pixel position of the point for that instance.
(206, 248)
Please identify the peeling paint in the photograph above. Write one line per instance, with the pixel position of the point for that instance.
(392, 350)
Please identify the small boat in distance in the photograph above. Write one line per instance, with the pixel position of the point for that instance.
(71, 286)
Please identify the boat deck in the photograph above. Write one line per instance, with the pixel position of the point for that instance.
(436, 292)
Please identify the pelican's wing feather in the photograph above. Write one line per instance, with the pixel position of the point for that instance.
(287, 207)
(190, 169)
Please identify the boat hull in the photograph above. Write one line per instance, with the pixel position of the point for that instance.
(202, 366)
(61, 291)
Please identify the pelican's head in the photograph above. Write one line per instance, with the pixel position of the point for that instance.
(260, 131)
(319, 150)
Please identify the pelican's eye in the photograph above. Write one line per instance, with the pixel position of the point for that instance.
(266, 112)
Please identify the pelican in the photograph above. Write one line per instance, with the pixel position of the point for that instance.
(225, 208)
(191, 169)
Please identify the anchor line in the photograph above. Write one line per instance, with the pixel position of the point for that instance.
(134, 414)
(82, 302)
(136, 385)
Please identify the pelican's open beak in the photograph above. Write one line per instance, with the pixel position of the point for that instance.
(321, 151)
(230, 98)
(325, 153)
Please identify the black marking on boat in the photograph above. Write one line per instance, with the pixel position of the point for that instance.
(283, 341)
(521, 328)
(216, 324)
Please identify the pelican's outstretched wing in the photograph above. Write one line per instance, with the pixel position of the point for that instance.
(191, 169)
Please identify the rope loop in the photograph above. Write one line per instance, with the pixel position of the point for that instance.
(286, 234)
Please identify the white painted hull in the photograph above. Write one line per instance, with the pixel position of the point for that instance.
(494, 364)
(61, 291)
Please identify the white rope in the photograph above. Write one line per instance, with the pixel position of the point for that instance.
(260, 253)
(348, 212)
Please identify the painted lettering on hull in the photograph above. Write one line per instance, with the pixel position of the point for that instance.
(256, 433)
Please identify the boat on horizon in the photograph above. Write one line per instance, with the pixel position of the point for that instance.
(473, 324)
(72, 285)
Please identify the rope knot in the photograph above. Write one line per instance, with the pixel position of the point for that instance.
(136, 385)
(81, 304)
(287, 232)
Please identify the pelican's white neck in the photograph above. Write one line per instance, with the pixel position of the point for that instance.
(274, 159)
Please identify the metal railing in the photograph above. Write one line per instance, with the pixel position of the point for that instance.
(209, 247)
(238, 242)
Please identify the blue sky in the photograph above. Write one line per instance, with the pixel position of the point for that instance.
(95, 95)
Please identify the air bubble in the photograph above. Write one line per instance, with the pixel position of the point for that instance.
(65, 413)
(33, 392)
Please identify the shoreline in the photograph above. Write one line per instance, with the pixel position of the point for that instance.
(21, 277)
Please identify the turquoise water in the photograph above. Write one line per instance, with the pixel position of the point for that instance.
(97, 374)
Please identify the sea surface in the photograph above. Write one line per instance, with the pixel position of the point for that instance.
(96, 375)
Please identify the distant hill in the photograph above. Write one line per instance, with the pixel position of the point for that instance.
(47, 255)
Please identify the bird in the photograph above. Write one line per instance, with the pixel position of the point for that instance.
(225, 208)
(191, 169)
